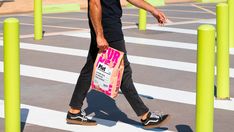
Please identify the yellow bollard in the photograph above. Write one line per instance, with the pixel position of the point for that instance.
(231, 23)
(38, 20)
(11, 75)
(222, 52)
(205, 79)
(142, 19)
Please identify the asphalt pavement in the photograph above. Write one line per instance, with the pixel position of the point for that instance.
(163, 60)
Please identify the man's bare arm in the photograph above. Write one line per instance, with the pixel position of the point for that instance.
(96, 19)
(154, 11)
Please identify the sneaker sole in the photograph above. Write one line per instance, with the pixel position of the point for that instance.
(81, 123)
(158, 125)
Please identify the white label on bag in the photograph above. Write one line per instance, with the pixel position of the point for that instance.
(103, 76)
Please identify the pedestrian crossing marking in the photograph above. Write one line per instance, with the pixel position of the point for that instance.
(167, 94)
(57, 120)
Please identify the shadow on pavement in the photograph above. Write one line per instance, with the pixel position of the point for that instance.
(106, 108)
(24, 115)
(183, 128)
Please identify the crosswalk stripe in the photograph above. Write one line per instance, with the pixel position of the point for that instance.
(145, 41)
(204, 9)
(209, 21)
(179, 30)
(170, 29)
(154, 62)
(69, 18)
(52, 26)
(169, 64)
(143, 89)
(56, 120)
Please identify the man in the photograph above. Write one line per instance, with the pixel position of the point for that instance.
(106, 30)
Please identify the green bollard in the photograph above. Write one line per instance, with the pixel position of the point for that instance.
(38, 19)
(222, 51)
(231, 23)
(11, 75)
(205, 79)
(142, 19)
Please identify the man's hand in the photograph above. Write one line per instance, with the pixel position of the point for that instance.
(155, 12)
(160, 16)
(102, 44)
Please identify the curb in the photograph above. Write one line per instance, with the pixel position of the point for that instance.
(211, 1)
(59, 8)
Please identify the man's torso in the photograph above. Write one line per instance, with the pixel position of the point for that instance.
(111, 20)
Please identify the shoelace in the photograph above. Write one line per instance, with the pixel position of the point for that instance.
(84, 115)
(157, 115)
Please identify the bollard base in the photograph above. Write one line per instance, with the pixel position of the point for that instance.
(226, 98)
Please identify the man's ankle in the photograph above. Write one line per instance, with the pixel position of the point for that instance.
(74, 110)
(144, 116)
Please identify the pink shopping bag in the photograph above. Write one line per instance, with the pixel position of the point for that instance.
(107, 72)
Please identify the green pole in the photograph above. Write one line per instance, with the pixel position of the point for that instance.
(11, 75)
(142, 19)
(37, 19)
(205, 79)
(222, 51)
(231, 23)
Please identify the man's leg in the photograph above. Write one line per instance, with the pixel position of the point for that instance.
(84, 80)
(82, 85)
(148, 119)
(127, 86)
(75, 115)
(129, 90)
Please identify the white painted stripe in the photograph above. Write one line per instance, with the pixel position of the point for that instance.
(67, 18)
(169, 64)
(186, 22)
(52, 26)
(179, 96)
(57, 120)
(173, 10)
(143, 41)
(208, 21)
(204, 21)
(143, 89)
(46, 73)
(136, 15)
(168, 24)
(170, 29)
(147, 61)
(183, 11)
(231, 51)
(206, 6)
(204, 9)
(183, 18)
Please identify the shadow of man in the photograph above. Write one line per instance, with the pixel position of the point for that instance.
(23, 115)
(183, 128)
(105, 108)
